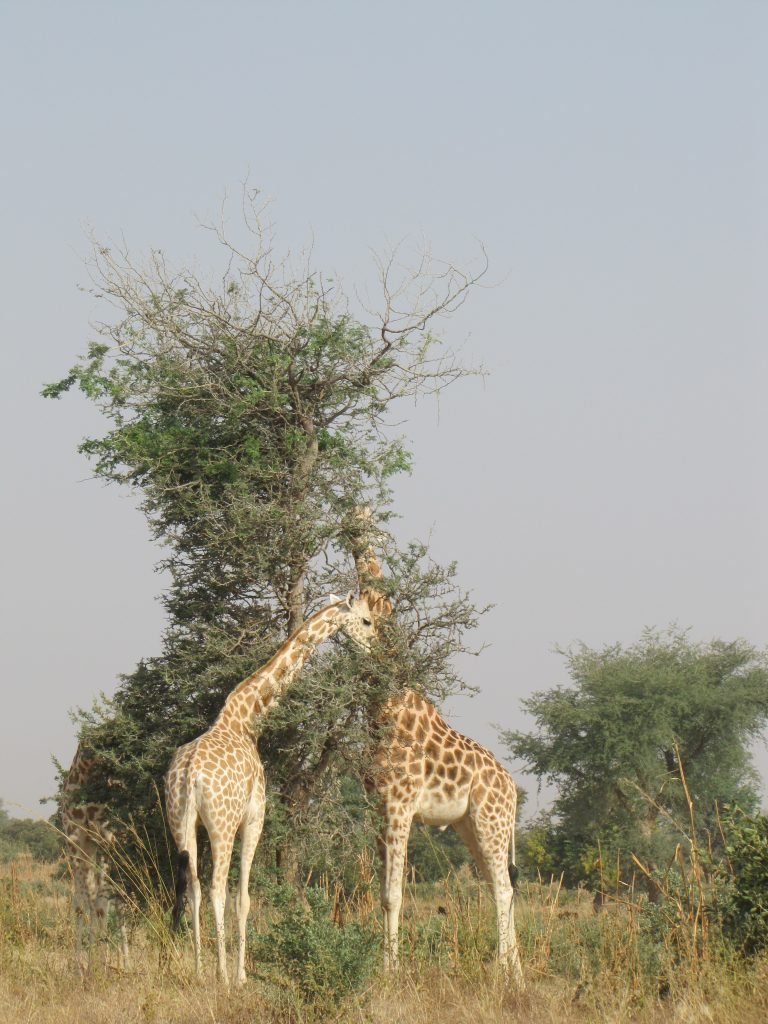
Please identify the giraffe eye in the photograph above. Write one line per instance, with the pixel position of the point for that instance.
(366, 622)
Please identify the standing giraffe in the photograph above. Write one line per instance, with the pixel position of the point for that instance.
(89, 840)
(218, 778)
(422, 768)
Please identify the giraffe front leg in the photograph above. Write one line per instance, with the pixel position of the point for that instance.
(101, 924)
(97, 918)
(122, 925)
(393, 845)
(381, 845)
(80, 904)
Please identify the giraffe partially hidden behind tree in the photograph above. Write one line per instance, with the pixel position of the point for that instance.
(422, 768)
(88, 851)
(218, 778)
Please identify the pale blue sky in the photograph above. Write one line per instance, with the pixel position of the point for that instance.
(612, 157)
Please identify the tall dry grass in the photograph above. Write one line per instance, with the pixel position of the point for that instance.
(624, 964)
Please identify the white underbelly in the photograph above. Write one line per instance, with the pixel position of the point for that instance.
(434, 809)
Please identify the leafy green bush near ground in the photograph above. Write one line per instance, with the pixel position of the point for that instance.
(321, 961)
(742, 885)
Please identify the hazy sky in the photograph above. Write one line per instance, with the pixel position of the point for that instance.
(611, 156)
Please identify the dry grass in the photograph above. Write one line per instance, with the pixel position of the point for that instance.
(580, 968)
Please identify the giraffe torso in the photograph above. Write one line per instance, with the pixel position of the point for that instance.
(436, 773)
(222, 772)
(84, 824)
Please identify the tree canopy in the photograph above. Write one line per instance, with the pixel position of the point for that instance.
(615, 740)
(250, 416)
(39, 839)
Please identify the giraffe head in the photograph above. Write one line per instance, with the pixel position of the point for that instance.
(355, 619)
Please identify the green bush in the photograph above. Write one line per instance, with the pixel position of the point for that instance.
(742, 904)
(24, 835)
(323, 962)
(433, 854)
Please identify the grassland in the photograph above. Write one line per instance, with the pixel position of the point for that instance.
(628, 963)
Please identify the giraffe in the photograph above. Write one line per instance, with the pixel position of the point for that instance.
(423, 769)
(218, 779)
(89, 840)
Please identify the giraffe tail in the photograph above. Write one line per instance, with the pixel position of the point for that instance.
(182, 867)
(511, 866)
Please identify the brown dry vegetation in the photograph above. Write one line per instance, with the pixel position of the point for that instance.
(580, 967)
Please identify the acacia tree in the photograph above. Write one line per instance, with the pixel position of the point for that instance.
(614, 742)
(249, 416)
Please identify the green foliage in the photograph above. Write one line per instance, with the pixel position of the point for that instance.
(40, 839)
(539, 852)
(742, 906)
(613, 741)
(433, 854)
(323, 962)
(250, 417)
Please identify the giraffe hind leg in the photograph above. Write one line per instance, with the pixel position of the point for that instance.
(221, 852)
(490, 853)
(250, 834)
(468, 835)
(187, 889)
(182, 883)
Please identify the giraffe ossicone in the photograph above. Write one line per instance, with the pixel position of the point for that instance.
(422, 769)
(217, 779)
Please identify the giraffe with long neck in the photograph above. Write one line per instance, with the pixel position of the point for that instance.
(423, 769)
(217, 780)
(89, 842)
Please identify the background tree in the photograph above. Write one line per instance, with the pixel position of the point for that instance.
(612, 743)
(249, 416)
(40, 839)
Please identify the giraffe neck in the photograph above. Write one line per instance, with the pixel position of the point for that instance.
(368, 569)
(258, 694)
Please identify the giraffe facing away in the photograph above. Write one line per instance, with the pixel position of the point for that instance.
(423, 769)
(89, 840)
(218, 778)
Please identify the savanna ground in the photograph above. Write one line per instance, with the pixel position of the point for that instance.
(631, 962)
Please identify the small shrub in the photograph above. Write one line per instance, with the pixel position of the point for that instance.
(323, 962)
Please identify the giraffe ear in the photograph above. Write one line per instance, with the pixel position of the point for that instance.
(350, 599)
(334, 599)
